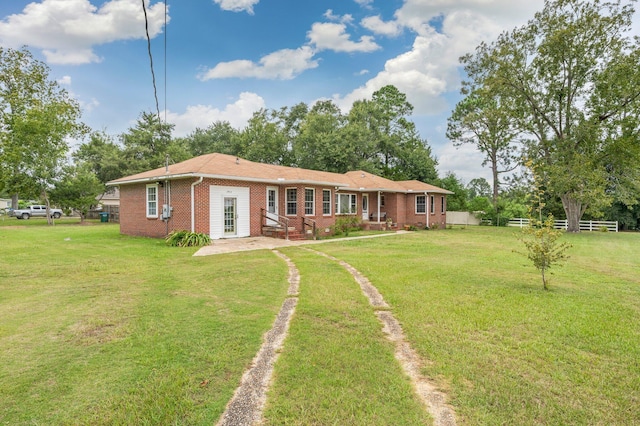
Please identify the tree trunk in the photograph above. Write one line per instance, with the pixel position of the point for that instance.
(496, 184)
(574, 210)
(14, 202)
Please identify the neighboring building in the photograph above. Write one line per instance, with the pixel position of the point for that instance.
(227, 197)
(5, 203)
(111, 197)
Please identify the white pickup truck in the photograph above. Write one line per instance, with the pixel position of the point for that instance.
(36, 211)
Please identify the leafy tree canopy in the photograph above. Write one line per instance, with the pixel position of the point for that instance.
(37, 117)
(572, 77)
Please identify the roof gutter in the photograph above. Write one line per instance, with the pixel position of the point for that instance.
(278, 181)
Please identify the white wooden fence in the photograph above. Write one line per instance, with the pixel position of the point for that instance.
(585, 225)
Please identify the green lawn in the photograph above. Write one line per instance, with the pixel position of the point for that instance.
(99, 328)
(506, 351)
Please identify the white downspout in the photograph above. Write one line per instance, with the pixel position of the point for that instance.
(193, 203)
(428, 208)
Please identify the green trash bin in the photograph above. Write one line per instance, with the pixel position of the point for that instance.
(104, 217)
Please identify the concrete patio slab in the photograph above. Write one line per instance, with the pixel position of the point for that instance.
(233, 245)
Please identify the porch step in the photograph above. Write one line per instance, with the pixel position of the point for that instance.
(278, 232)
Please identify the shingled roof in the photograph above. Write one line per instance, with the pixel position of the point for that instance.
(223, 166)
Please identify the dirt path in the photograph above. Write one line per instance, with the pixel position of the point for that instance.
(247, 404)
(434, 400)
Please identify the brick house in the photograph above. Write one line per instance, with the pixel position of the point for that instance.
(227, 197)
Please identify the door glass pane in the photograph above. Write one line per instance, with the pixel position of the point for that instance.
(271, 202)
(229, 215)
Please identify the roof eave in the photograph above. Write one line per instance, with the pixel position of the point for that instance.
(278, 181)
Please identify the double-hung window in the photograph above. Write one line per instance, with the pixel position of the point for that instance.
(152, 201)
(309, 201)
(443, 204)
(326, 202)
(421, 204)
(292, 201)
(346, 204)
(432, 208)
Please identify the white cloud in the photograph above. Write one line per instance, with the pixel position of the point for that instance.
(431, 68)
(283, 64)
(237, 5)
(378, 26)
(364, 3)
(496, 14)
(465, 162)
(67, 31)
(65, 81)
(202, 116)
(332, 36)
(345, 19)
(90, 105)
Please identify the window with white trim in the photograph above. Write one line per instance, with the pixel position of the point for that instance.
(326, 202)
(432, 208)
(292, 201)
(309, 201)
(443, 204)
(346, 204)
(152, 201)
(421, 204)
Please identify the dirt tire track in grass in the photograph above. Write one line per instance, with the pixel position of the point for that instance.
(247, 404)
(434, 400)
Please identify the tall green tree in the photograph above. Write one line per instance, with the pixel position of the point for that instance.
(148, 145)
(319, 145)
(459, 200)
(103, 156)
(573, 76)
(478, 187)
(219, 137)
(37, 117)
(265, 140)
(482, 119)
(388, 139)
(77, 190)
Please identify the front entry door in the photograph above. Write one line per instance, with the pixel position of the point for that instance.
(365, 206)
(230, 216)
(272, 206)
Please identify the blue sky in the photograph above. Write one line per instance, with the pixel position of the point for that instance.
(226, 59)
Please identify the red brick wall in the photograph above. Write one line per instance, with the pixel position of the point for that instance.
(420, 219)
(133, 221)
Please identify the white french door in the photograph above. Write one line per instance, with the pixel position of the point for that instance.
(230, 216)
(272, 205)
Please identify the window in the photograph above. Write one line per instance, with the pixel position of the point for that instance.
(326, 202)
(346, 204)
(152, 200)
(431, 206)
(421, 203)
(443, 204)
(292, 201)
(382, 200)
(309, 201)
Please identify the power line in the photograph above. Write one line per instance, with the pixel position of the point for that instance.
(153, 74)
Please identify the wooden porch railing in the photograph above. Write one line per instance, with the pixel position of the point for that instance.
(280, 221)
(311, 224)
